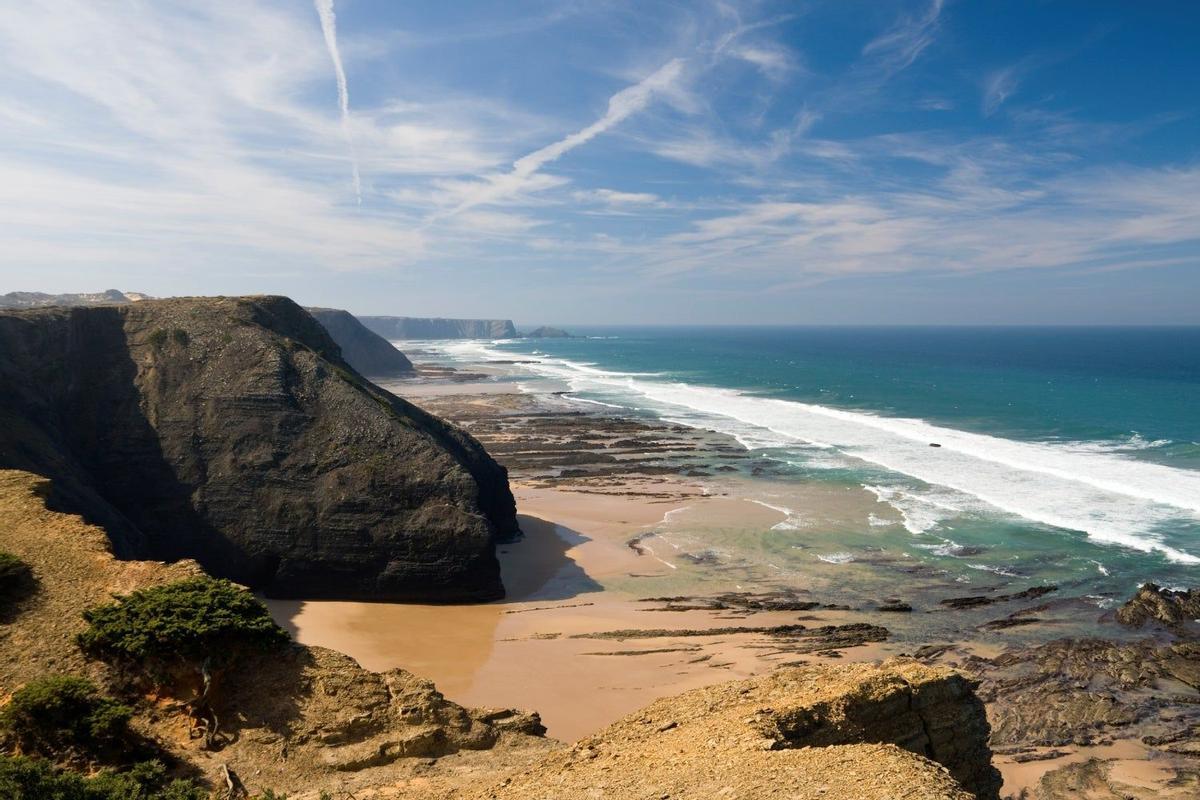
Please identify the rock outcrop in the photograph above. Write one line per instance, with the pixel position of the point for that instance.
(230, 430)
(1167, 607)
(368, 352)
(547, 332)
(898, 730)
(438, 328)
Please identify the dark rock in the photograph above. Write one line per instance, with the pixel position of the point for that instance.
(1164, 606)
(896, 607)
(975, 601)
(231, 431)
(439, 328)
(368, 352)
(547, 332)
(1074, 691)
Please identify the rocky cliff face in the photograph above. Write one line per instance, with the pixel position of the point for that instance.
(363, 349)
(436, 328)
(231, 431)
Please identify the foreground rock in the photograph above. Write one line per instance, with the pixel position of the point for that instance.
(231, 431)
(368, 352)
(439, 328)
(894, 731)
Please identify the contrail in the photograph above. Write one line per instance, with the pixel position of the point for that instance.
(329, 28)
(621, 105)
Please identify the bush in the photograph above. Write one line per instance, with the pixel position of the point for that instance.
(199, 620)
(16, 578)
(35, 779)
(64, 713)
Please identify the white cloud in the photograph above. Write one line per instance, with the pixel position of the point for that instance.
(997, 88)
(904, 42)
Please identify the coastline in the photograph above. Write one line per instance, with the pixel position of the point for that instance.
(601, 500)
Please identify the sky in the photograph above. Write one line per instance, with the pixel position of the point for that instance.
(592, 162)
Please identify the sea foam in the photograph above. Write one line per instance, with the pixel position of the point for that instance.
(1113, 498)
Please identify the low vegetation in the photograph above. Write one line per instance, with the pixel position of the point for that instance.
(64, 715)
(193, 622)
(183, 637)
(16, 580)
(35, 779)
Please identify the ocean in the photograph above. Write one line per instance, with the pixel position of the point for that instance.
(1039, 455)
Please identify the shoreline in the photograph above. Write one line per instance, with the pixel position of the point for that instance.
(602, 501)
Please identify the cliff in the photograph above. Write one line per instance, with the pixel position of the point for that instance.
(422, 328)
(368, 352)
(230, 430)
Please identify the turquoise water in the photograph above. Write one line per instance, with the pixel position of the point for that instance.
(1064, 454)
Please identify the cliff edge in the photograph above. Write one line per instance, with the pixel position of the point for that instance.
(231, 431)
(366, 351)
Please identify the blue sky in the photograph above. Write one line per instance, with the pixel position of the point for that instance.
(624, 162)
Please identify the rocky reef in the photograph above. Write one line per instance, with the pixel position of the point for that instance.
(231, 431)
(438, 328)
(368, 352)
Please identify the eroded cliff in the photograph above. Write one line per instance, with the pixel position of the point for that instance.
(230, 430)
(363, 349)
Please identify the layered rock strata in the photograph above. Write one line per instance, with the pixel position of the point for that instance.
(231, 431)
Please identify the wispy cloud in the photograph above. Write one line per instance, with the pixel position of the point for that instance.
(998, 87)
(621, 106)
(329, 29)
(903, 43)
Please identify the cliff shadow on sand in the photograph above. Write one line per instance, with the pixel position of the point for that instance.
(539, 565)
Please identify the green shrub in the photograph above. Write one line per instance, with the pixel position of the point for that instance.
(199, 620)
(157, 338)
(35, 779)
(64, 713)
(180, 336)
